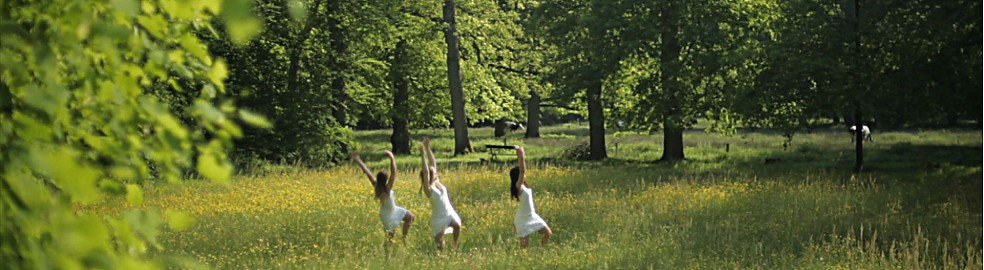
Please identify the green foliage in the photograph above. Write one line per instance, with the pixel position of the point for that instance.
(494, 62)
(898, 67)
(78, 123)
(283, 75)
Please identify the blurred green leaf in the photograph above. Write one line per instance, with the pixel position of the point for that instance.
(80, 112)
(128, 7)
(179, 220)
(111, 186)
(208, 112)
(123, 172)
(241, 23)
(134, 195)
(212, 168)
(297, 10)
(62, 164)
(254, 119)
(213, 6)
(196, 48)
(154, 23)
(219, 73)
(178, 9)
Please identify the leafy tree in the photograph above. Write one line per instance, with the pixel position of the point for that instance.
(489, 35)
(283, 74)
(459, 120)
(686, 57)
(77, 124)
(583, 59)
(403, 43)
(876, 62)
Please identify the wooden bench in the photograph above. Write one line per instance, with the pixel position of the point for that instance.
(494, 149)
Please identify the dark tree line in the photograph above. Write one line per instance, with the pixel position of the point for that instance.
(653, 65)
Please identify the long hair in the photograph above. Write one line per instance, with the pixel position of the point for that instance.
(514, 177)
(381, 178)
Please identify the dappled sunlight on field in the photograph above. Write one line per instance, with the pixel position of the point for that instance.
(701, 213)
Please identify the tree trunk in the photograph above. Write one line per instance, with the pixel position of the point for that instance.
(400, 139)
(294, 64)
(500, 127)
(596, 122)
(858, 142)
(459, 121)
(672, 144)
(533, 116)
(858, 135)
(336, 37)
(669, 69)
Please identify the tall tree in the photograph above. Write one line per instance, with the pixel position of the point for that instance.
(459, 119)
(669, 75)
(400, 139)
(583, 59)
(284, 74)
(681, 56)
(533, 116)
(337, 59)
(880, 63)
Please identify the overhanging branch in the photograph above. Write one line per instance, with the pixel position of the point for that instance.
(558, 106)
(513, 70)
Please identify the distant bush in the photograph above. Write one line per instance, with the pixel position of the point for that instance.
(578, 151)
(316, 147)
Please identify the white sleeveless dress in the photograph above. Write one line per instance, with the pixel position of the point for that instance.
(390, 214)
(442, 213)
(527, 221)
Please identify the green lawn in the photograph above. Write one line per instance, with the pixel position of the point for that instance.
(917, 207)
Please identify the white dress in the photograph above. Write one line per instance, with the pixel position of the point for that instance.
(527, 221)
(390, 214)
(442, 213)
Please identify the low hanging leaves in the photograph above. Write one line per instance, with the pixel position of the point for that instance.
(79, 123)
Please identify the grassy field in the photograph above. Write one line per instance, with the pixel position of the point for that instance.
(918, 206)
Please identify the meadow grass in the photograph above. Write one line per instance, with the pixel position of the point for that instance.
(918, 206)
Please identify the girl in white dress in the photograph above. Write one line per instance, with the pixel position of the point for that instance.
(444, 219)
(389, 213)
(526, 221)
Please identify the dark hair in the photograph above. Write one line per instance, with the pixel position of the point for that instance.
(514, 177)
(381, 179)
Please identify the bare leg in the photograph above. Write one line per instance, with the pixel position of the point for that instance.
(546, 233)
(456, 231)
(524, 241)
(389, 243)
(407, 220)
(439, 241)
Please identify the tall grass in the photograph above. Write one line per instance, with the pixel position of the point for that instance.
(918, 207)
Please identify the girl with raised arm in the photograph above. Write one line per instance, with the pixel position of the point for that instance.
(444, 219)
(389, 213)
(526, 221)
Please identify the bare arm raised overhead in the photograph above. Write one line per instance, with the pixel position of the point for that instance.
(355, 158)
(521, 164)
(424, 171)
(430, 156)
(392, 176)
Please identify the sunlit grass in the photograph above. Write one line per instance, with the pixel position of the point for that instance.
(918, 208)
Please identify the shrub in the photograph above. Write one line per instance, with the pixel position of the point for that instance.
(578, 151)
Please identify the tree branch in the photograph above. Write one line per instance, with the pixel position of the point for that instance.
(421, 15)
(513, 70)
(558, 106)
